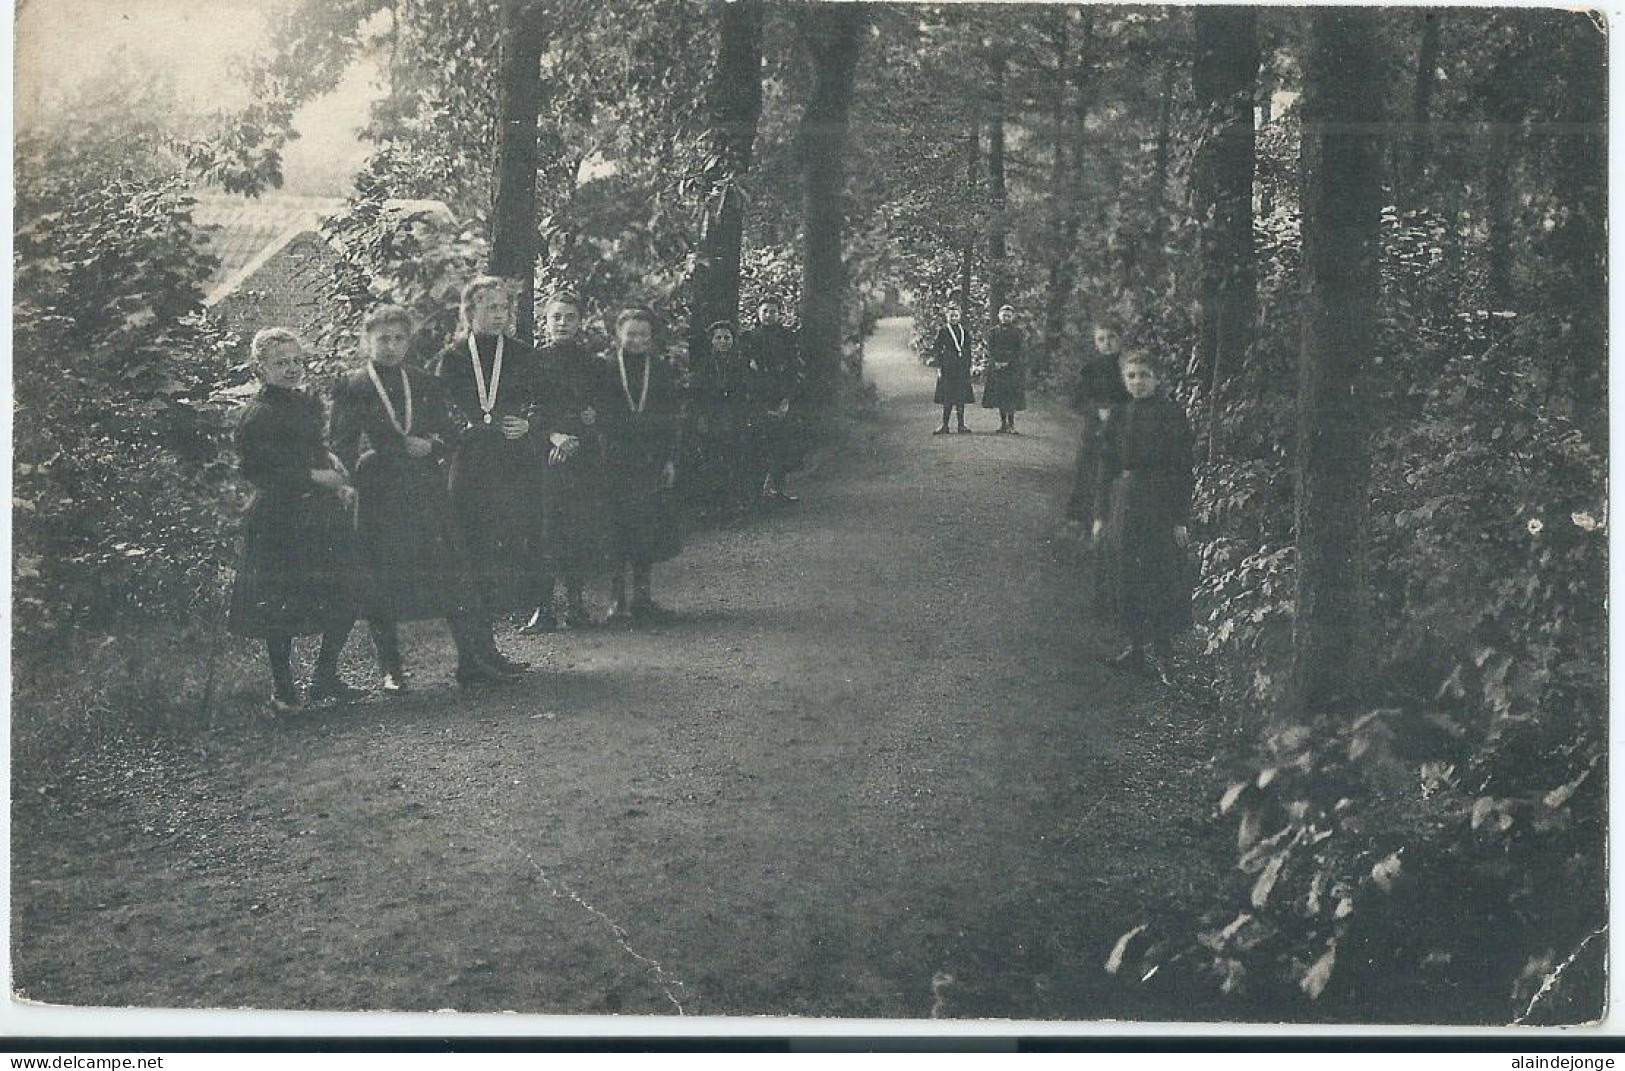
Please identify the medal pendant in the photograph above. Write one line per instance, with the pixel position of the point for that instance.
(488, 418)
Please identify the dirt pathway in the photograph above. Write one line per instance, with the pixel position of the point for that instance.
(876, 770)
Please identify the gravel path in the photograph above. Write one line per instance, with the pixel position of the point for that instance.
(875, 770)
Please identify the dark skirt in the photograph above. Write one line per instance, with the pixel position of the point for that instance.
(297, 571)
(1004, 390)
(1144, 579)
(412, 557)
(1080, 504)
(954, 388)
(779, 444)
(574, 512)
(496, 487)
(643, 523)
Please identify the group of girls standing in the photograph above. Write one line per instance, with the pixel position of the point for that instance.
(461, 492)
(1131, 490)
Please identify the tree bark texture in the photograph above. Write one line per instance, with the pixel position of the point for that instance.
(514, 236)
(833, 36)
(997, 199)
(1224, 78)
(1427, 61)
(1068, 163)
(1342, 217)
(734, 104)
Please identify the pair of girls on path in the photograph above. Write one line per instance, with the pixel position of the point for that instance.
(752, 400)
(448, 476)
(1132, 492)
(1005, 388)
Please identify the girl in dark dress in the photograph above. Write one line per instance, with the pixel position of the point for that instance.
(390, 425)
(643, 427)
(951, 355)
(297, 573)
(572, 397)
(1099, 389)
(1006, 388)
(495, 480)
(776, 386)
(1143, 506)
(723, 420)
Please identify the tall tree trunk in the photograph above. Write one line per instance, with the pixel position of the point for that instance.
(1067, 168)
(967, 253)
(513, 208)
(1427, 61)
(1580, 241)
(833, 36)
(1224, 77)
(1342, 161)
(1057, 292)
(734, 101)
(997, 202)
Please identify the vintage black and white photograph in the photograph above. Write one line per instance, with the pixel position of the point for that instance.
(1044, 512)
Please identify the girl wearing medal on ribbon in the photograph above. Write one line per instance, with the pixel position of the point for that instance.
(643, 429)
(951, 355)
(490, 381)
(390, 424)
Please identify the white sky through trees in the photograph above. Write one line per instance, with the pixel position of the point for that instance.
(198, 49)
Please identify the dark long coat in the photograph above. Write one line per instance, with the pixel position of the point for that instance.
(1006, 384)
(575, 528)
(1144, 493)
(953, 368)
(643, 518)
(413, 558)
(777, 372)
(297, 572)
(1098, 388)
(724, 421)
(496, 482)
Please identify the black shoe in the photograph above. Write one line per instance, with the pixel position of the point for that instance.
(649, 610)
(395, 683)
(941, 431)
(500, 662)
(283, 703)
(477, 673)
(333, 688)
(963, 430)
(540, 624)
(1130, 660)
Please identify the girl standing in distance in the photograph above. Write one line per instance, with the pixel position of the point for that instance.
(1006, 387)
(573, 397)
(297, 574)
(390, 425)
(951, 355)
(1143, 506)
(643, 428)
(494, 478)
(1099, 388)
(777, 386)
(723, 420)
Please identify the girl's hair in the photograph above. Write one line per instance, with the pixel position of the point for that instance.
(771, 299)
(476, 286)
(722, 325)
(562, 296)
(272, 336)
(1139, 357)
(1007, 305)
(629, 315)
(386, 314)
